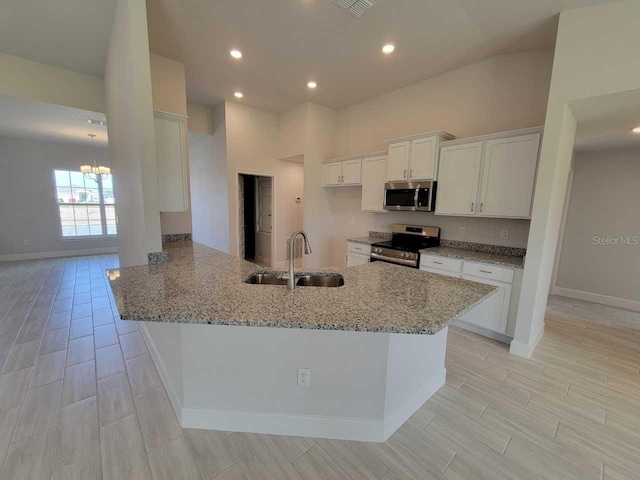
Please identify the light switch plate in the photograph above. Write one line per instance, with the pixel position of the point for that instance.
(504, 234)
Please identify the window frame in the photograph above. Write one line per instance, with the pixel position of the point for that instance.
(101, 205)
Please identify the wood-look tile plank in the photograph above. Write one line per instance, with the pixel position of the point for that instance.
(109, 361)
(79, 437)
(316, 464)
(114, 398)
(158, 421)
(39, 412)
(354, 458)
(8, 422)
(59, 320)
(54, 341)
(123, 452)
(79, 383)
(22, 356)
(103, 316)
(105, 335)
(142, 374)
(49, 368)
(80, 350)
(31, 458)
(174, 461)
(81, 327)
(13, 387)
(213, 451)
(133, 345)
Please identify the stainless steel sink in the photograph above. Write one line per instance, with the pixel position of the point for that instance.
(325, 280)
(266, 278)
(302, 280)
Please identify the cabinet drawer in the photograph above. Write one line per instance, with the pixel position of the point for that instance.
(441, 263)
(492, 272)
(360, 248)
(446, 273)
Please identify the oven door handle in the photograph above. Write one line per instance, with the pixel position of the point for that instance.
(399, 261)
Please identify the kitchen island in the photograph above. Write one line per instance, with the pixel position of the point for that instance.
(229, 352)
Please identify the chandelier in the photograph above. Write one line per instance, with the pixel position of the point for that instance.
(92, 171)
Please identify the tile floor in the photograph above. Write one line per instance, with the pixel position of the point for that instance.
(80, 398)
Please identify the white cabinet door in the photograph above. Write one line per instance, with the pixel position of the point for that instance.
(508, 177)
(422, 164)
(374, 176)
(446, 273)
(353, 260)
(332, 173)
(398, 162)
(171, 163)
(493, 313)
(351, 172)
(458, 179)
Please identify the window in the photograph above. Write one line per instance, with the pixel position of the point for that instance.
(86, 204)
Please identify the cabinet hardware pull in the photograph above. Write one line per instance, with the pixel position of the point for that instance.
(437, 263)
(405, 174)
(481, 206)
(485, 271)
(411, 172)
(473, 207)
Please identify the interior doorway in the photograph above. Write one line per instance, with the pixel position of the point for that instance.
(255, 222)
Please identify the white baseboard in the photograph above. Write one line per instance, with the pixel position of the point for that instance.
(362, 430)
(483, 331)
(162, 370)
(58, 254)
(525, 350)
(397, 419)
(597, 298)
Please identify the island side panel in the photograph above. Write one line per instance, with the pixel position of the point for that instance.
(165, 346)
(415, 371)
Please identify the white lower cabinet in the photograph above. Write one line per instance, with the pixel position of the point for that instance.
(496, 314)
(358, 254)
(493, 313)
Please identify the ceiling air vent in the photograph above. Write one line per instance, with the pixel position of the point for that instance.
(357, 8)
(100, 123)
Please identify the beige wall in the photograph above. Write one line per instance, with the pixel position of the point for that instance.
(28, 209)
(169, 91)
(45, 83)
(603, 202)
(131, 136)
(586, 65)
(209, 187)
(200, 119)
(494, 95)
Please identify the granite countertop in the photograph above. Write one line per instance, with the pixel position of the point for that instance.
(205, 286)
(365, 240)
(475, 256)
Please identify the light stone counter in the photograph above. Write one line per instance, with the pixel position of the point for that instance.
(200, 285)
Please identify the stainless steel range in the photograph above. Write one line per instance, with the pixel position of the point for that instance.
(405, 245)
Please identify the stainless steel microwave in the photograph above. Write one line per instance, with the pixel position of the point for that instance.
(410, 196)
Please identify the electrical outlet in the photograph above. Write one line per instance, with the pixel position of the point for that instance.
(26, 243)
(304, 377)
(463, 230)
(353, 221)
(504, 234)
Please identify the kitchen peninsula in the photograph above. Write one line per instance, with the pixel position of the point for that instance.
(229, 353)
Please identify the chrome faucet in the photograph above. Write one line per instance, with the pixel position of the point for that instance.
(291, 281)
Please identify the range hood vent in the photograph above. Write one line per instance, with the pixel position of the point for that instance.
(357, 8)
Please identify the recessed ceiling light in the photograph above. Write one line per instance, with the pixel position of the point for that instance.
(236, 53)
(636, 130)
(238, 94)
(312, 84)
(389, 48)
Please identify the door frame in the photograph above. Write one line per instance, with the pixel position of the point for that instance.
(273, 210)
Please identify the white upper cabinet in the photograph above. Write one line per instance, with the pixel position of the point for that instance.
(458, 179)
(508, 176)
(171, 162)
(351, 172)
(398, 162)
(332, 174)
(374, 174)
(491, 176)
(415, 157)
(422, 164)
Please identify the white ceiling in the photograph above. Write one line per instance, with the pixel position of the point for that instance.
(28, 119)
(605, 123)
(286, 43)
(72, 34)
